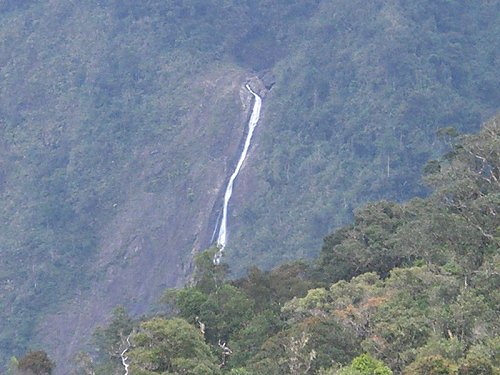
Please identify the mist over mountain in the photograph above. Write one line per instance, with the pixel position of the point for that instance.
(121, 121)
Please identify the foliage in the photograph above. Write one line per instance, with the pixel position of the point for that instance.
(111, 340)
(208, 277)
(415, 291)
(274, 288)
(170, 346)
(482, 358)
(365, 365)
(92, 90)
(355, 115)
(433, 365)
(35, 363)
(369, 246)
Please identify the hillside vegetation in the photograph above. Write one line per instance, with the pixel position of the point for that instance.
(355, 113)
(120, 122)
(406, 289)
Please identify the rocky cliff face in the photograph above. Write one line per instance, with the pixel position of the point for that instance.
(120, 122)
(148, 243)
(114, 151)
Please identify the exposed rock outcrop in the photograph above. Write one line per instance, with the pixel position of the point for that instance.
(148, 245)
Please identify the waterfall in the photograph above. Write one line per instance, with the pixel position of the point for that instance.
(124, 358)
(252, 123)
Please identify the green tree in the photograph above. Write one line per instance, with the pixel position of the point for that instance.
(247, 342)
(270, 289)
(170, 346)
(432, 365)
(287, 352)
(225, 312)
(415, 312)
(208, 277)
(111, 340)
(188, 301)
(365, 364)
(467, 187)
(35, 363)
(367, 246)
(481, 359)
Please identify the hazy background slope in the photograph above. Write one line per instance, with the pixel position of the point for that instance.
(120, 122)
(354, 114)
(114, 148)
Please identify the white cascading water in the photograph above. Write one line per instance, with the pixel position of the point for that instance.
(254, 118)
(124, 358)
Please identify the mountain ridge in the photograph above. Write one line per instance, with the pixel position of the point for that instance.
(104, 147)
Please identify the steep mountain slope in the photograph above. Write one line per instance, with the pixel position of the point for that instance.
(120, 122)
(354, 115)
(406, 288)
(148, 244)
(114, 152)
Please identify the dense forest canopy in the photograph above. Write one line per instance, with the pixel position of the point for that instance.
(408, 288)
(119, 122)
(355, 113)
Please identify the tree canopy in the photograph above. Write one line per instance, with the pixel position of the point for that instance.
(408, 288)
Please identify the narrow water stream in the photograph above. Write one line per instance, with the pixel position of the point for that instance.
(252, 123)
(222, 236)
(124, 358)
